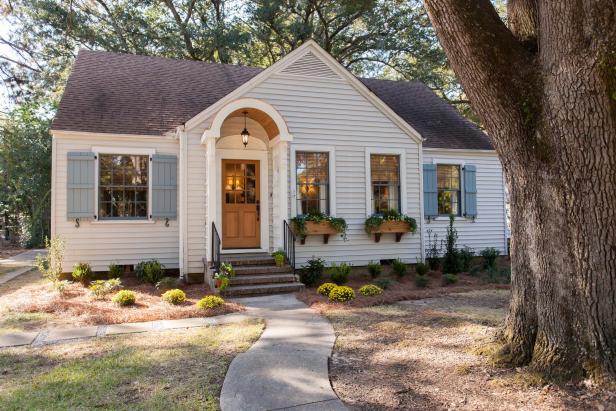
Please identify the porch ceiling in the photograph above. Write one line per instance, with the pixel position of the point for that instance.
(260, 117)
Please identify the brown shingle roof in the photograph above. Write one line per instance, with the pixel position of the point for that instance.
(129, 94)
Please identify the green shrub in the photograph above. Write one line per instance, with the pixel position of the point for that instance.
(421, 281)
(325, 288)
(422, 268)
(375, 269)
(61, 285)
(210, 302)
(312, 272)
(383, 283)
(489, 257)
(115, 271)
(150, 271)
(340, 273)
(433, 251)
(167, 283)
(82, 272)
(450, 279)
(498, 276)
(280, 257)
(370, 289)
(101, 288)
(451, 259)
(124, 297)
(466, 255)
(399, 268)
(175, 296)
(341, 293)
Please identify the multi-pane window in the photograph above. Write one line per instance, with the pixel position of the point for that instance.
(312, 171)
(240, 183)
(385, 170)
(123, 186)
(448, 180)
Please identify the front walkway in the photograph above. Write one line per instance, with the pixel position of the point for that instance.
(287, 369)
(23, 263)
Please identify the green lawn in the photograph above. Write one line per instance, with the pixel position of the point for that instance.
(179, 369)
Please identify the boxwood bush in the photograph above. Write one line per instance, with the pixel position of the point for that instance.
(115, 271)
(340, 273)
(82, 272)
(175, 296)
(422, 268)
(341, 294)
(421, 281)
(150, 271)
(370, 289)
(450, 279)
(124, 297)
(326, 288)
(312, 272)
(210, 302)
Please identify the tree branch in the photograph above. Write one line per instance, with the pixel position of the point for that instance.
(19, 63)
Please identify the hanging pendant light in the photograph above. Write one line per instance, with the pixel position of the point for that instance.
(245, 134)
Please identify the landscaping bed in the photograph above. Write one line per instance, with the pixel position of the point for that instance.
(423, 355)
(30, 302)
(180, 369)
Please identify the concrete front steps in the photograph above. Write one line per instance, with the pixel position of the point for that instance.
(257, 274)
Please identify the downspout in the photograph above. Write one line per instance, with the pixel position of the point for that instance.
(183, 211)
(421, 204)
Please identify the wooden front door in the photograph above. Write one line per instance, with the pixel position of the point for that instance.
(241, 225)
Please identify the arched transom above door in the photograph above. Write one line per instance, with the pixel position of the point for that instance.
(257, 110)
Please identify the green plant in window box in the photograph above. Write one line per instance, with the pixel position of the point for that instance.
(302, 228)
(390, 221)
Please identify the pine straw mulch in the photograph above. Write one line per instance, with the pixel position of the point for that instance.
(399, 290)
(76, 307)
(423, 355)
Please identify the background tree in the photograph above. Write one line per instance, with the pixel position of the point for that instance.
(545, 89)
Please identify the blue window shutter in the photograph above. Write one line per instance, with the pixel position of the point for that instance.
(470, 191)
(80, 185)
(164, 186)
(430, 190)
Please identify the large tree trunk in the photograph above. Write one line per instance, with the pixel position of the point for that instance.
(545, 89)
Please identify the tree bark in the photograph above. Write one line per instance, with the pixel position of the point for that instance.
(545, 90)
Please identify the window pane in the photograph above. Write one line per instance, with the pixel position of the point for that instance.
(448, 181)
(123, 186)
(312, 170)
(385, 175)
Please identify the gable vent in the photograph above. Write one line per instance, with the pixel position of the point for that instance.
(310, 65)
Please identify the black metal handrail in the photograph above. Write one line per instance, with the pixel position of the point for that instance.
(215, 248)
(289, 244)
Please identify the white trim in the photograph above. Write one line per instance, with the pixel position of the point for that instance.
(183, 204)
(243, 154)
(421, 222)
(124, 151)
(121, 151)
(86, 134)
(460, 163)
(331, 150)
(242, 103)
(506, 229)
(402, 171)
(460, 150)
(289, 59)
(54, 176)
(449, 161)
(120, 221)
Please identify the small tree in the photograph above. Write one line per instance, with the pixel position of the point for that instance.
(50, 265)
(451, 263)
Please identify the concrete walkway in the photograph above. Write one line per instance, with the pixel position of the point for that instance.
(23, 263)
(59, 335)
(287, 369)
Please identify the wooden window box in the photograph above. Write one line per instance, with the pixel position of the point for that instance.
(323, 228)
(396, 227)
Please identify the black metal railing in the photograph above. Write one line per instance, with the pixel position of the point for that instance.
(215, 248)
(289, 244)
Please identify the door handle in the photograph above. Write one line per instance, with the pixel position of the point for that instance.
(258, 210)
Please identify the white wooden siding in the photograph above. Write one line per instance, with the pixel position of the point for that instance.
(488, 229)
(103, 242)
(322, 111)
(196, 204)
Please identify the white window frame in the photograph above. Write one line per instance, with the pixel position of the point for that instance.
(401, 153)
(331, 151)
(461, 164)
(123, 151)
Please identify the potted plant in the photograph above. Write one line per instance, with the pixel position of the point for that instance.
(223, 276)
(390, 221)
(318, 224)
(280, 257)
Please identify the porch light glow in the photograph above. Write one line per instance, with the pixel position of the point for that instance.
(245, 134)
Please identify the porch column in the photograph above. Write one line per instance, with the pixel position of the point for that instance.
(210, 190)
(280, 189)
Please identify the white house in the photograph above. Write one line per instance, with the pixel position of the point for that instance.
(149, 161)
